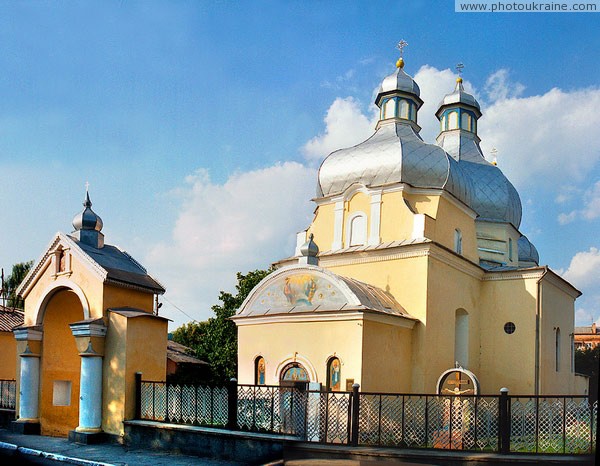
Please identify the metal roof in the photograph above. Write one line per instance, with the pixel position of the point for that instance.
(394, 154)
(10, 318)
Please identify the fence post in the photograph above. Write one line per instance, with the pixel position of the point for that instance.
(355, 412)
(138, 395)
(232, 401)
(504, 422)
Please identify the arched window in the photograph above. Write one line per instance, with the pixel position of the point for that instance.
(557, 349)
(461, 338)
(259, 371)
(334, 375)
(390, 108)
(358, 230)
(443, 124)
(457, 241)
(404, 110)
(466, 121)
(294, 375)
(453, 120)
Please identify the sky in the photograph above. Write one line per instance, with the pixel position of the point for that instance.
(200, 125)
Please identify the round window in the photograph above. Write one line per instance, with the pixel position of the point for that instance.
(509, 327)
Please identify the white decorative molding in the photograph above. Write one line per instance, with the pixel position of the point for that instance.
(338, 225)
(51, 289)
(375, 224)
(28, 334)
(302, 360)
(532, 273)
(88, 329)
(418, 226)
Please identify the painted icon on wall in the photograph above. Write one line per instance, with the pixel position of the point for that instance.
(334, 374)
(294, 372)
(300, 289)
(260, 371)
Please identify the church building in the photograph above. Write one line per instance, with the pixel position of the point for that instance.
(413, 276)
(89, 326)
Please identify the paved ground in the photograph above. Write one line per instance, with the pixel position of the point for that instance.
(92, 455)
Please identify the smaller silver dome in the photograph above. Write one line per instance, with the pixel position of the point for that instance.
(528, 254)
(87, 219)
(459, 96)
(398, 81)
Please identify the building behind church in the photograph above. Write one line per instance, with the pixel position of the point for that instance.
(413, 276)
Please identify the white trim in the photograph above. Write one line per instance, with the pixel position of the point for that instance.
(28, 334)
(302, 360)
(338, 225)
(375, 224)
(60, 283)
(467, 372)
(88, 329)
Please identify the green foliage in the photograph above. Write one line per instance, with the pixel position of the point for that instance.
(12, 282)
(587, 361)
(215, 340)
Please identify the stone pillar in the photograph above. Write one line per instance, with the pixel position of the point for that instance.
(29, 345)
(89, 336)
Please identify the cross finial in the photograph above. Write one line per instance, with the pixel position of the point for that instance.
(400, 46)
(459, 68)
(87, 186)
(494, 153)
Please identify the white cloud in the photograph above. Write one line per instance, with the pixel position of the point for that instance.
(590, 210)
(544, 139)
(584, 269)
(345, 125)
(499, 87)
(245, 223)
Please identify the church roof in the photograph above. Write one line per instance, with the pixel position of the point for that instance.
(179, 353)
(394, 154)
(112, 265)
(10, 318)
(301, 289)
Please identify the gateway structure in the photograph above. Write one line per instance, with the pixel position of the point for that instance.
(88, 328)
(420, 271)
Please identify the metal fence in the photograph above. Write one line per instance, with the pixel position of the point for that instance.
(8, 394)
(491, 423)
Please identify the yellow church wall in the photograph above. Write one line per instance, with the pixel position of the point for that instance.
(60, 362)
(557, 313)
(8, 354)
(396, 218)
(282, 341)
(423, 204)
(115, 297)
(80, 274)
(508, 360)
(322, 226)
(450, 290)
(405, 279)
(113, 374)
(131, 345)
(146, 353)
(449, 218)
(387, 351)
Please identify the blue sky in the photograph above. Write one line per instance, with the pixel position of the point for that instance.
(199, 124)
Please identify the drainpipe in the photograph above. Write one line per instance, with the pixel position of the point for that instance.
(538, 309)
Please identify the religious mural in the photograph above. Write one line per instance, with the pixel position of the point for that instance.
(333, 375)
(302, 291)
(260, 371)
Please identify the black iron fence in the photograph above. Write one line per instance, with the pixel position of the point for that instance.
(8, 394)
(491, 423)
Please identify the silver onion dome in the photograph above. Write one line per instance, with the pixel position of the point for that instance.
(87, 219)
(399, 81)
(528, 254)
(493, 197)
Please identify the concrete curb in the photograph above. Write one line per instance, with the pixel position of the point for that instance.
(51, 456)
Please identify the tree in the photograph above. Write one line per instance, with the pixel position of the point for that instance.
(215, 340)
(587, 361)
(13, 281)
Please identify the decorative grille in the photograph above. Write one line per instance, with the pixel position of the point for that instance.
(8, 394)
